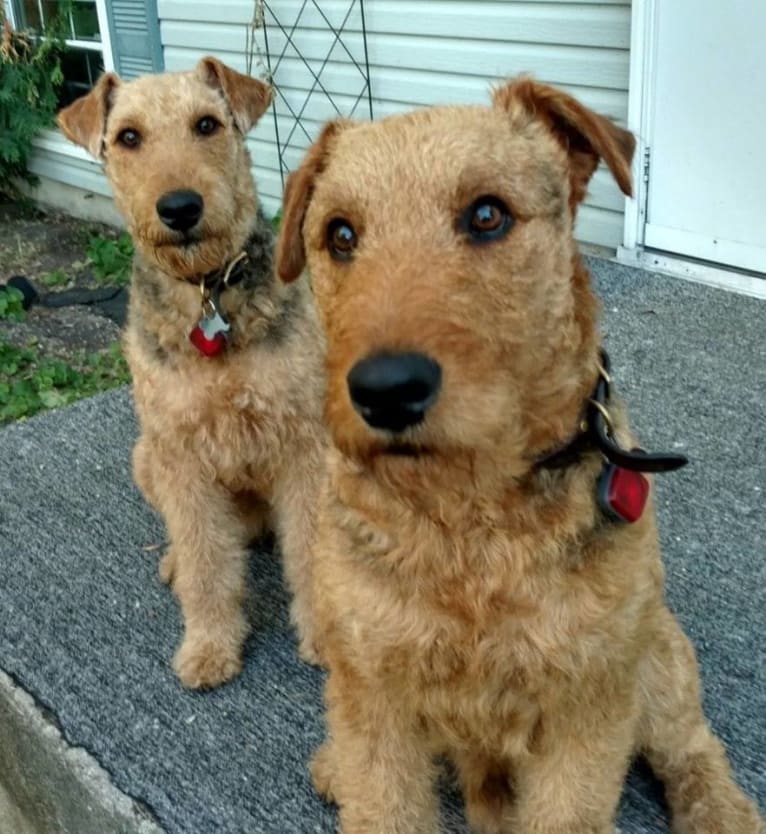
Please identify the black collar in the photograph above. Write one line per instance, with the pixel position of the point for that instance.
(249, 261)
(596, 433)
(226, 276)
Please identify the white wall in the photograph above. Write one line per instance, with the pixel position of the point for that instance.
(423, 52)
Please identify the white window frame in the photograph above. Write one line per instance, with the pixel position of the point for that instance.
(52, 139)
(104, 45)
(106, 40)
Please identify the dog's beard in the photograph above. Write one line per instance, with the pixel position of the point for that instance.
(435, 454)
(369, 448)
(415, 471)
(367, 445)
(187, 255)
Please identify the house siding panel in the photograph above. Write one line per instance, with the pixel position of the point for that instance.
(423, 53)
(420, 53)
(81, 174)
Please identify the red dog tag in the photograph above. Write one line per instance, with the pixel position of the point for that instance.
(210, 335)
(622, 493)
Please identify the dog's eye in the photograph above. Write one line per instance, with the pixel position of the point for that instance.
(207, 125)
(341, 239)
(487, 218)
(129, 138)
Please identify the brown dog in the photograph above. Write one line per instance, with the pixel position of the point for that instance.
(231, 434)
(473, 597)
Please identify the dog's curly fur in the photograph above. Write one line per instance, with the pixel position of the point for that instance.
(471, 603)
(234, 442)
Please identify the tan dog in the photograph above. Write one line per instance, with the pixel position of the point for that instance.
(232, 439)
(473, 597)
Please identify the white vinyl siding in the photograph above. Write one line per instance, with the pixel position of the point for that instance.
(56, 159)
(423, 52)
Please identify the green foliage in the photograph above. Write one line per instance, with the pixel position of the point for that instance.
(11, 304)
(111, 259)
(276, 220)
(30, 383)
(30, 77)
(57, 278)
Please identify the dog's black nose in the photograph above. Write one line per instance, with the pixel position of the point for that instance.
(180, 210)
(392, 391)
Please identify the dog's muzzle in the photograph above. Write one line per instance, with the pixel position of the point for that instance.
(392, 391)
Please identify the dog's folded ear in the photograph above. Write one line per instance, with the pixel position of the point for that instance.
(247, 97)
(84, 121)
(291, 249)
(584, 135)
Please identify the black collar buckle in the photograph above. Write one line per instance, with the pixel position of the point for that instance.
(622, 490)
(600, 428)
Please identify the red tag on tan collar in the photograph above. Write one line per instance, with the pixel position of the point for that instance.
(622, 493)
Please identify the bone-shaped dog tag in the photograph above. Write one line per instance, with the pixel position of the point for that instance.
(210, 334)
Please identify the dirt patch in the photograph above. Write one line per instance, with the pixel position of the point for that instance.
(62, 332)
(35, 243)
(50, 250)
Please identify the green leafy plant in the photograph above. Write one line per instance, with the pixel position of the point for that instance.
(30, 383)
(11, 304)
(30, 77)
(57, 278)
(111, 259)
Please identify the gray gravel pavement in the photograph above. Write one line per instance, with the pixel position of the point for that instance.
(88, 630)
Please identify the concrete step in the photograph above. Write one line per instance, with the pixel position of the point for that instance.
(50, 787)
(96, 734)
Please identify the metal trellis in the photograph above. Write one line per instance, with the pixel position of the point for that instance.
(313, 69)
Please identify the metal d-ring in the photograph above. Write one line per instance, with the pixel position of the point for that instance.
(603, 410)
(208, 307)
(230, 268)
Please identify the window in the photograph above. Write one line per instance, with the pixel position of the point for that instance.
(83, 23)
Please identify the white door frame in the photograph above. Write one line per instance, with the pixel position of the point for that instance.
(643, 40)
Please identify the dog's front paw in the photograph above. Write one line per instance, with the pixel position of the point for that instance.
(203, 664)
(321, 772)
(739, 817)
